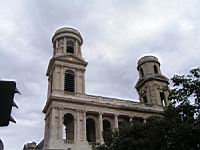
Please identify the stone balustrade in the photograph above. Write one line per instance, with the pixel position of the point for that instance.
(106, 100)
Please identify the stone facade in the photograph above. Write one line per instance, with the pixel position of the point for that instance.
(75, 120)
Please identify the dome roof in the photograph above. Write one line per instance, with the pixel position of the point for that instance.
(147, 59)
(68, 30)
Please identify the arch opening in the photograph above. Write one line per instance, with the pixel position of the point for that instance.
(106, 125)
(69, 127)
(70, 47)
(91, 130)
(162, 98)
(145, 99)
(106, 129)
(138, 119)
(155, 69)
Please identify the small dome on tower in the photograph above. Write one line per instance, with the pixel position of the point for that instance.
(67, 32)
(147, 59)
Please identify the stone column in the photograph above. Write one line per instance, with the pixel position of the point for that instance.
(144, 120)
(60, 124)
(53, 124)
(76, 47)
(84, 126)
(78, 126)
(83, 81)
(75, 130)
(116, 121)
(101, 128)
(56, 77)
(130, 119)
(166, 93)
(56, 48)
(59, 77)
(65, 46)
(62, 78)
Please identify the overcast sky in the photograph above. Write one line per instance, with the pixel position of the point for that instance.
(116, 34)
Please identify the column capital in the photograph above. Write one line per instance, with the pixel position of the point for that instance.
(78, 110)
(81, 110)
(60, 108)
(101, 113)
(116, 114)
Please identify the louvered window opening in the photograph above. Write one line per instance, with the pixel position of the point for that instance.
(155, 69)
(70, 47)
(69, 81)
(162, 98)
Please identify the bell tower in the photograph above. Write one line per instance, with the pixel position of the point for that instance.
(66, 70)
(152, 86)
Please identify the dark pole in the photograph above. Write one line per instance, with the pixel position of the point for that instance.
(1, 145)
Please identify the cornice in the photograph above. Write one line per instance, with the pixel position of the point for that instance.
(142, 80)
(98, 104)
(62, 58)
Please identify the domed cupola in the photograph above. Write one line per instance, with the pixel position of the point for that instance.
(67, 41)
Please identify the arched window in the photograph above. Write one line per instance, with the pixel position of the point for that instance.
(106, 125)
(155, 69)
(162, 98)
(106, 128)
(69, 127)
(141, 72)
(69, 81)
(138, 119)
(91, 130)
(120, 124)
(123, 122)
(70, 46)
(145, 99)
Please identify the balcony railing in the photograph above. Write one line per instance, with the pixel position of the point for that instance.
(106, 100)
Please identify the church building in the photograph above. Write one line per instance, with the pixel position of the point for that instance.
(75, 120)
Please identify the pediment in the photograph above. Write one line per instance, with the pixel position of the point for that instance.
(71, 59)
(68, 58)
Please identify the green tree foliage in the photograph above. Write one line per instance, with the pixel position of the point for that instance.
(177, 129)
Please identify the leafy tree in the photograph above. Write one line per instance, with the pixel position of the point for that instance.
(177, 129)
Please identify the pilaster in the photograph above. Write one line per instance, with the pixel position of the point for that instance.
(60, 135)
(78, 126)
(84, 126)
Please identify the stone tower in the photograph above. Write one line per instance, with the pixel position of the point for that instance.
(66, 76)
(152, 86)
(67, 63)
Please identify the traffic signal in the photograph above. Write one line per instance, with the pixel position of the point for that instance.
(7, 91)
(1, 145)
